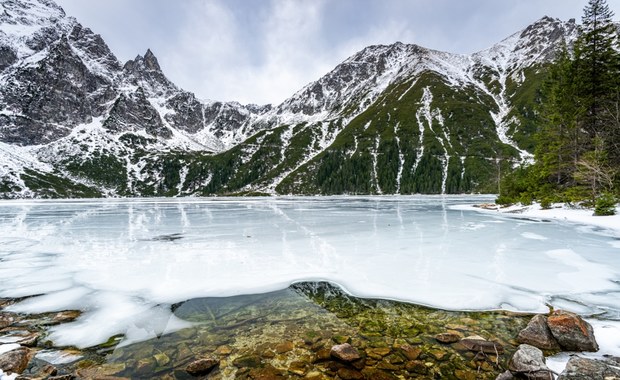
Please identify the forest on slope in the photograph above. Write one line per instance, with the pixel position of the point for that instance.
(577, 155)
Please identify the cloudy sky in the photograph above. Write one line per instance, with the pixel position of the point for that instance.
(263, 51)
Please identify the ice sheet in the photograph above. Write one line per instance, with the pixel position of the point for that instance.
(124, 261)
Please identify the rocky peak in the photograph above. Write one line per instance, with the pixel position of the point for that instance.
(94, 49)
(144, 71)
(150, 61)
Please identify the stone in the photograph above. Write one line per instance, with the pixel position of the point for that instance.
(161, 359)
(345, 352)
(377, 374)
(477, 343)
(15, 361)
(529, 361)
(447, 338)
(538, 334)
(507, 375)
(62, 377)
(582, 368)
(465, 375)
(342, 339)
(6, 320)
(298, 367)
(350, 374)
(201, 367)
(106, 371)
(223, 350)
(410, 352)
(249, 361)
(378, 353)
(66, 316)
(437, 354)
(314, 375)
(572, 332)
(416, 366)
(23, 337)
(268, 372)
(145, 367)
(284, 347)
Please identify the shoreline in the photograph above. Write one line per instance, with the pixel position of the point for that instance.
(558, 212)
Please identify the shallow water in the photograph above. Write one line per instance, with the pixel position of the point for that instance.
(124, 262)
(289, 333)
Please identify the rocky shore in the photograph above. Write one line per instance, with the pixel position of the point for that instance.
(311, 331)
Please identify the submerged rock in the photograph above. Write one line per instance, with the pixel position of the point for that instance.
(410, 352)
(529, 361)
(201, 367)
(572, 332)
(538, 334)
(479, 344)
(447, 338)
(582, 368)
(345, 352)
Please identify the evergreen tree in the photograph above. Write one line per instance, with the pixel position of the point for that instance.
(559, 140)
(578, 140)
(596, 62)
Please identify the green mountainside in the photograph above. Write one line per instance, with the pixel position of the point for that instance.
(396, 119)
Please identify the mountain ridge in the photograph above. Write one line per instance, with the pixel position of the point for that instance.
(131, 118)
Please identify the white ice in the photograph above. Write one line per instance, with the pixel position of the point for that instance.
(125, 261)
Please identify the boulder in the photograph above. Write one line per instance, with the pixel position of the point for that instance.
(529, 361)
(345, 352)
(15, 361)
(581, 368)
(572, 332)
(538, 334)
(201, 367)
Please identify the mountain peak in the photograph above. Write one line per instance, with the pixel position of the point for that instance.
(145, 71)
(150, 61)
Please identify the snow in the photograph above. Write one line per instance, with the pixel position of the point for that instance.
(4, 348)
(558, 212)
(4, 376)
(108, 257)
(375, 174)
(401, 159)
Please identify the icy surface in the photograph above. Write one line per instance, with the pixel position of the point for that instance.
(125, 261)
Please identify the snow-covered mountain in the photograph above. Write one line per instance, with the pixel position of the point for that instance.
(74, 121)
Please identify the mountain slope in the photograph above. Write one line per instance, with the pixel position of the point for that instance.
(391, 119)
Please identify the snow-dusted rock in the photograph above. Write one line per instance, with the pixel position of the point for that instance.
(582, 368)
(529, 361)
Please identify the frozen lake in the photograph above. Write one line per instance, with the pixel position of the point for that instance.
(126, 261)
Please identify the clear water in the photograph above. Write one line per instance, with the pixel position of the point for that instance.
(124, 262)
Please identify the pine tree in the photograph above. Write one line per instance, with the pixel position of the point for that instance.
(595, 59)
(559, 140)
